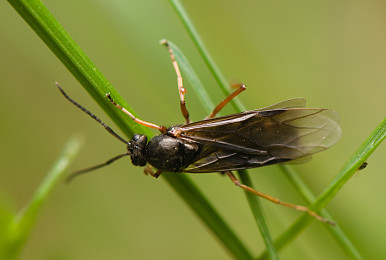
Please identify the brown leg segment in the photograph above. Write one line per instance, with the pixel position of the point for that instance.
(277, 201)
(181, 89)
(161, 128)
(220, 106)
(149, 170)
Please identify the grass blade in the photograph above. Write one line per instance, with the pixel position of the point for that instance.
(22, 224)
(254, 204)
(348, 170)
(299, 185)
(211, 218)
(38, 17)
(208, 104)
(186, 21)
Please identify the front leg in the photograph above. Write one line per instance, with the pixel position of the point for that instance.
(181, 89)
(149, 170)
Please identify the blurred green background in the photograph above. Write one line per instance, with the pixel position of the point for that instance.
(330, 52)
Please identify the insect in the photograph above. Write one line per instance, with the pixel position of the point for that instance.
(363, 165)
(275, 134)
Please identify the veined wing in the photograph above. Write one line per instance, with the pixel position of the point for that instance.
(289, 103)
(261, 137)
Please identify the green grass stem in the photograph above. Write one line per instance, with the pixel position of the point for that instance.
(19, 228)
(39, 18)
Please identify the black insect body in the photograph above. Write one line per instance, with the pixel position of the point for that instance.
(245, 140)
(283, 132)
(164, 152)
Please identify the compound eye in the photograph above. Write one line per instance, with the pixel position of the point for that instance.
(140, 140)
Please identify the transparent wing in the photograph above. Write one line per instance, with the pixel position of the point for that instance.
(290, 103)
(261, 137)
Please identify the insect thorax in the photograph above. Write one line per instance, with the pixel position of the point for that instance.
(171, 154)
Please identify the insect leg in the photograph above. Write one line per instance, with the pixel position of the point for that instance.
(149, 170)
(157, 174)
(181, 89)
(276, 200)
(161, 128)
(220, 106)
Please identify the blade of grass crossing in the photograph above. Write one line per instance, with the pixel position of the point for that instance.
(208, 104)
(38, 17)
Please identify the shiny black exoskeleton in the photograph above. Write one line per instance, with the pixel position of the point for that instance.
(164, 152)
